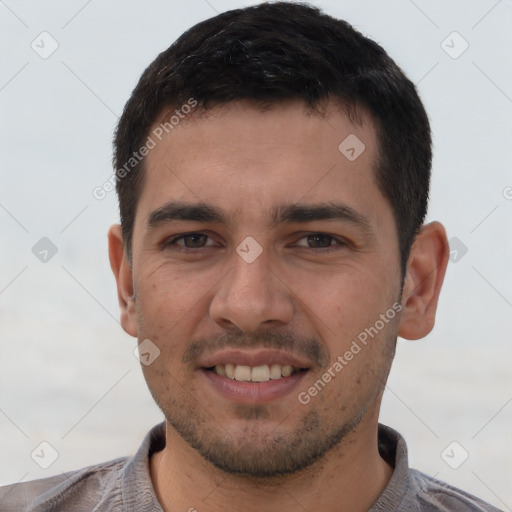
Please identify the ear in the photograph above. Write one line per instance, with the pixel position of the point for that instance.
(122, 270)
(424, 277)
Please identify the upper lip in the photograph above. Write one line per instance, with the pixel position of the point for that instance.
(252, 358)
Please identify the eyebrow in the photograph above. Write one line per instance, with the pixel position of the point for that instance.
(203, 212)
(177, 210)
(324, 211)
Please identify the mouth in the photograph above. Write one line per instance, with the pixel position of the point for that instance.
(259, 373)
(253, 377)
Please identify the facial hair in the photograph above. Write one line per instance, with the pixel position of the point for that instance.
(259, 448)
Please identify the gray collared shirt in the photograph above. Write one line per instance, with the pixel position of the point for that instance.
(125, 485)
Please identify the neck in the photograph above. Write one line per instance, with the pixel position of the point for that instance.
(349, 478)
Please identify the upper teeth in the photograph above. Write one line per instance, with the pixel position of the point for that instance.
(260, 373)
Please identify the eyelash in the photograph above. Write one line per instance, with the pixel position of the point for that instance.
(339, 243)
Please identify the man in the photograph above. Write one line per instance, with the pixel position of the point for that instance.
(273, 170)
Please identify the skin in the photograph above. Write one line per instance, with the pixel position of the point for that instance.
(320, 293)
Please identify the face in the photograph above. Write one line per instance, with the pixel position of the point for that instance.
(261, 254)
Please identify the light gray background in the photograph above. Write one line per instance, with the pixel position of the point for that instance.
(67, 372)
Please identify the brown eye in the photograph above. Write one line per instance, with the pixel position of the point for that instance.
(190, 241)
(193, 241)
(319, 241)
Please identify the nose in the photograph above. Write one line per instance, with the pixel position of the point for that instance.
(252, 296)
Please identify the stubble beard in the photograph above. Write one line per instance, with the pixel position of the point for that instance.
(259, 450)
(259, 453)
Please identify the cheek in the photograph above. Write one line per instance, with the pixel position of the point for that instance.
(344, 303)
(168, 296)
(166, 306)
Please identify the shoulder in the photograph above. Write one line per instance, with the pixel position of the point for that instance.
(410, 490)
(73, 491)
(434, 495)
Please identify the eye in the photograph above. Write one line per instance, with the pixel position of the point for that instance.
(319, 241)
(190, 241)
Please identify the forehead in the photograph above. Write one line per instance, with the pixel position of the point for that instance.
(244, 158)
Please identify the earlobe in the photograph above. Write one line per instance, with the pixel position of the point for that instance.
(122, 270)
(424, 277)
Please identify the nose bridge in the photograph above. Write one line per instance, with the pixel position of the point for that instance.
(251, 294)
(251, 274)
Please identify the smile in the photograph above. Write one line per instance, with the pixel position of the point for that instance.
(260, 373)
(252, 376)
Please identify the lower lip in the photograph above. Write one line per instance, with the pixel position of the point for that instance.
(253, 392)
